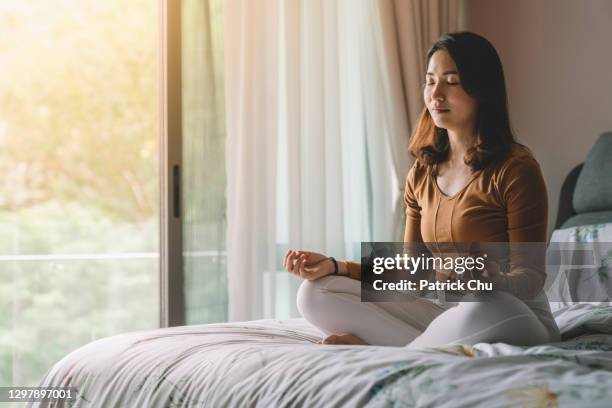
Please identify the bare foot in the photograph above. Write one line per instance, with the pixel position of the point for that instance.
(346, 338)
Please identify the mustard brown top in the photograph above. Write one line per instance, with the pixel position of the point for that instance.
(504, 202)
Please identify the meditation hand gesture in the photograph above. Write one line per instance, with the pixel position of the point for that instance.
(308, 265)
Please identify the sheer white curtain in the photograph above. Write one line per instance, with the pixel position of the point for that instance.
(316, 140)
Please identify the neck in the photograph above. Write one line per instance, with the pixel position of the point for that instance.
(459, 143)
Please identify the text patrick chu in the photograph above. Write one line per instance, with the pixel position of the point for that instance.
(446, 265)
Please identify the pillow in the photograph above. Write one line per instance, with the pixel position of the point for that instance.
(593, 191)
(579, 266)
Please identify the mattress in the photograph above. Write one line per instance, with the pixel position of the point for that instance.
(276, 363)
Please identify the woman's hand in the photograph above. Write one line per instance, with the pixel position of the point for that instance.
(346, 338)
(308, 265)
(491, 271)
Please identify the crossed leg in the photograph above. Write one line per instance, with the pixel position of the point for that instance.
(333, 304)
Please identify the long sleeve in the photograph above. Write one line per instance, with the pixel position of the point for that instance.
(523, 191)
(354, 270)
(412, 232)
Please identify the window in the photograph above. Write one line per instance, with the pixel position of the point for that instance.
(79, 193)
(203, 159)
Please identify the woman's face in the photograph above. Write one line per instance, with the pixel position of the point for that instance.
(449, 105)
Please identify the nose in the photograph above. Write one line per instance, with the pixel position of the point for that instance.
(438, 92)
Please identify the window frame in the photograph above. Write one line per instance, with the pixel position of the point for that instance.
(171, 295)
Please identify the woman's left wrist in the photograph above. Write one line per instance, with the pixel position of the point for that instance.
(343, 268)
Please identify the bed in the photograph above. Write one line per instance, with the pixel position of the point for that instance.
(276, 363)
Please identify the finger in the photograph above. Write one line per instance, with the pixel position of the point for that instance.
(286, 263)
(291, 261)
(298, 267)
(304, 260)
(293, 265)
(305, 256)
(285, 259)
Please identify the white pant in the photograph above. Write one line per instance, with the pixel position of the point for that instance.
(333, 304)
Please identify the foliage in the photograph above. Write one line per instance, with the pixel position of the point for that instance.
(78, 105)
(79, 159)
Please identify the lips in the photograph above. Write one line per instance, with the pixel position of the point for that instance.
(436, 110)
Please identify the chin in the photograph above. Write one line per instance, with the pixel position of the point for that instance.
(441, 125)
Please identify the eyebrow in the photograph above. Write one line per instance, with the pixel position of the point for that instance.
(444, 73)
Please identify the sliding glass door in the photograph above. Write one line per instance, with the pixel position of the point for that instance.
(203, 153)
(112, 200)
(79, 195)
(193, 261)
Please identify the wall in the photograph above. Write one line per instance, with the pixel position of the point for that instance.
(558, 63)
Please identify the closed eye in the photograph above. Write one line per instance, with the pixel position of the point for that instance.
(449, 83)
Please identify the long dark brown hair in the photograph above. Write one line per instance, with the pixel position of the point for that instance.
(482, 77)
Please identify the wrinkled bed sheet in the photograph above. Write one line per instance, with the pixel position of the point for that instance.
(275, 363)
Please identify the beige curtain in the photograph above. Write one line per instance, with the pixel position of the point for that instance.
(320, 97)
(409, 28)
(417, 24)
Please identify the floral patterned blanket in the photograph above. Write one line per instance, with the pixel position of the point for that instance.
(579, 265)
(275, 363)
(572, 373)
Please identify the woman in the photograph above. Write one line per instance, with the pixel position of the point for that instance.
(471, 182)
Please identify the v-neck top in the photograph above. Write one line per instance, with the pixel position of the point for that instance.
(504, 202)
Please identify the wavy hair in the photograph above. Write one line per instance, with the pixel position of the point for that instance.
(482, 77)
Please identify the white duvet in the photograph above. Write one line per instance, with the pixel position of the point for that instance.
(275, 363)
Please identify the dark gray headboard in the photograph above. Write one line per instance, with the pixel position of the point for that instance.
(586, 195)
